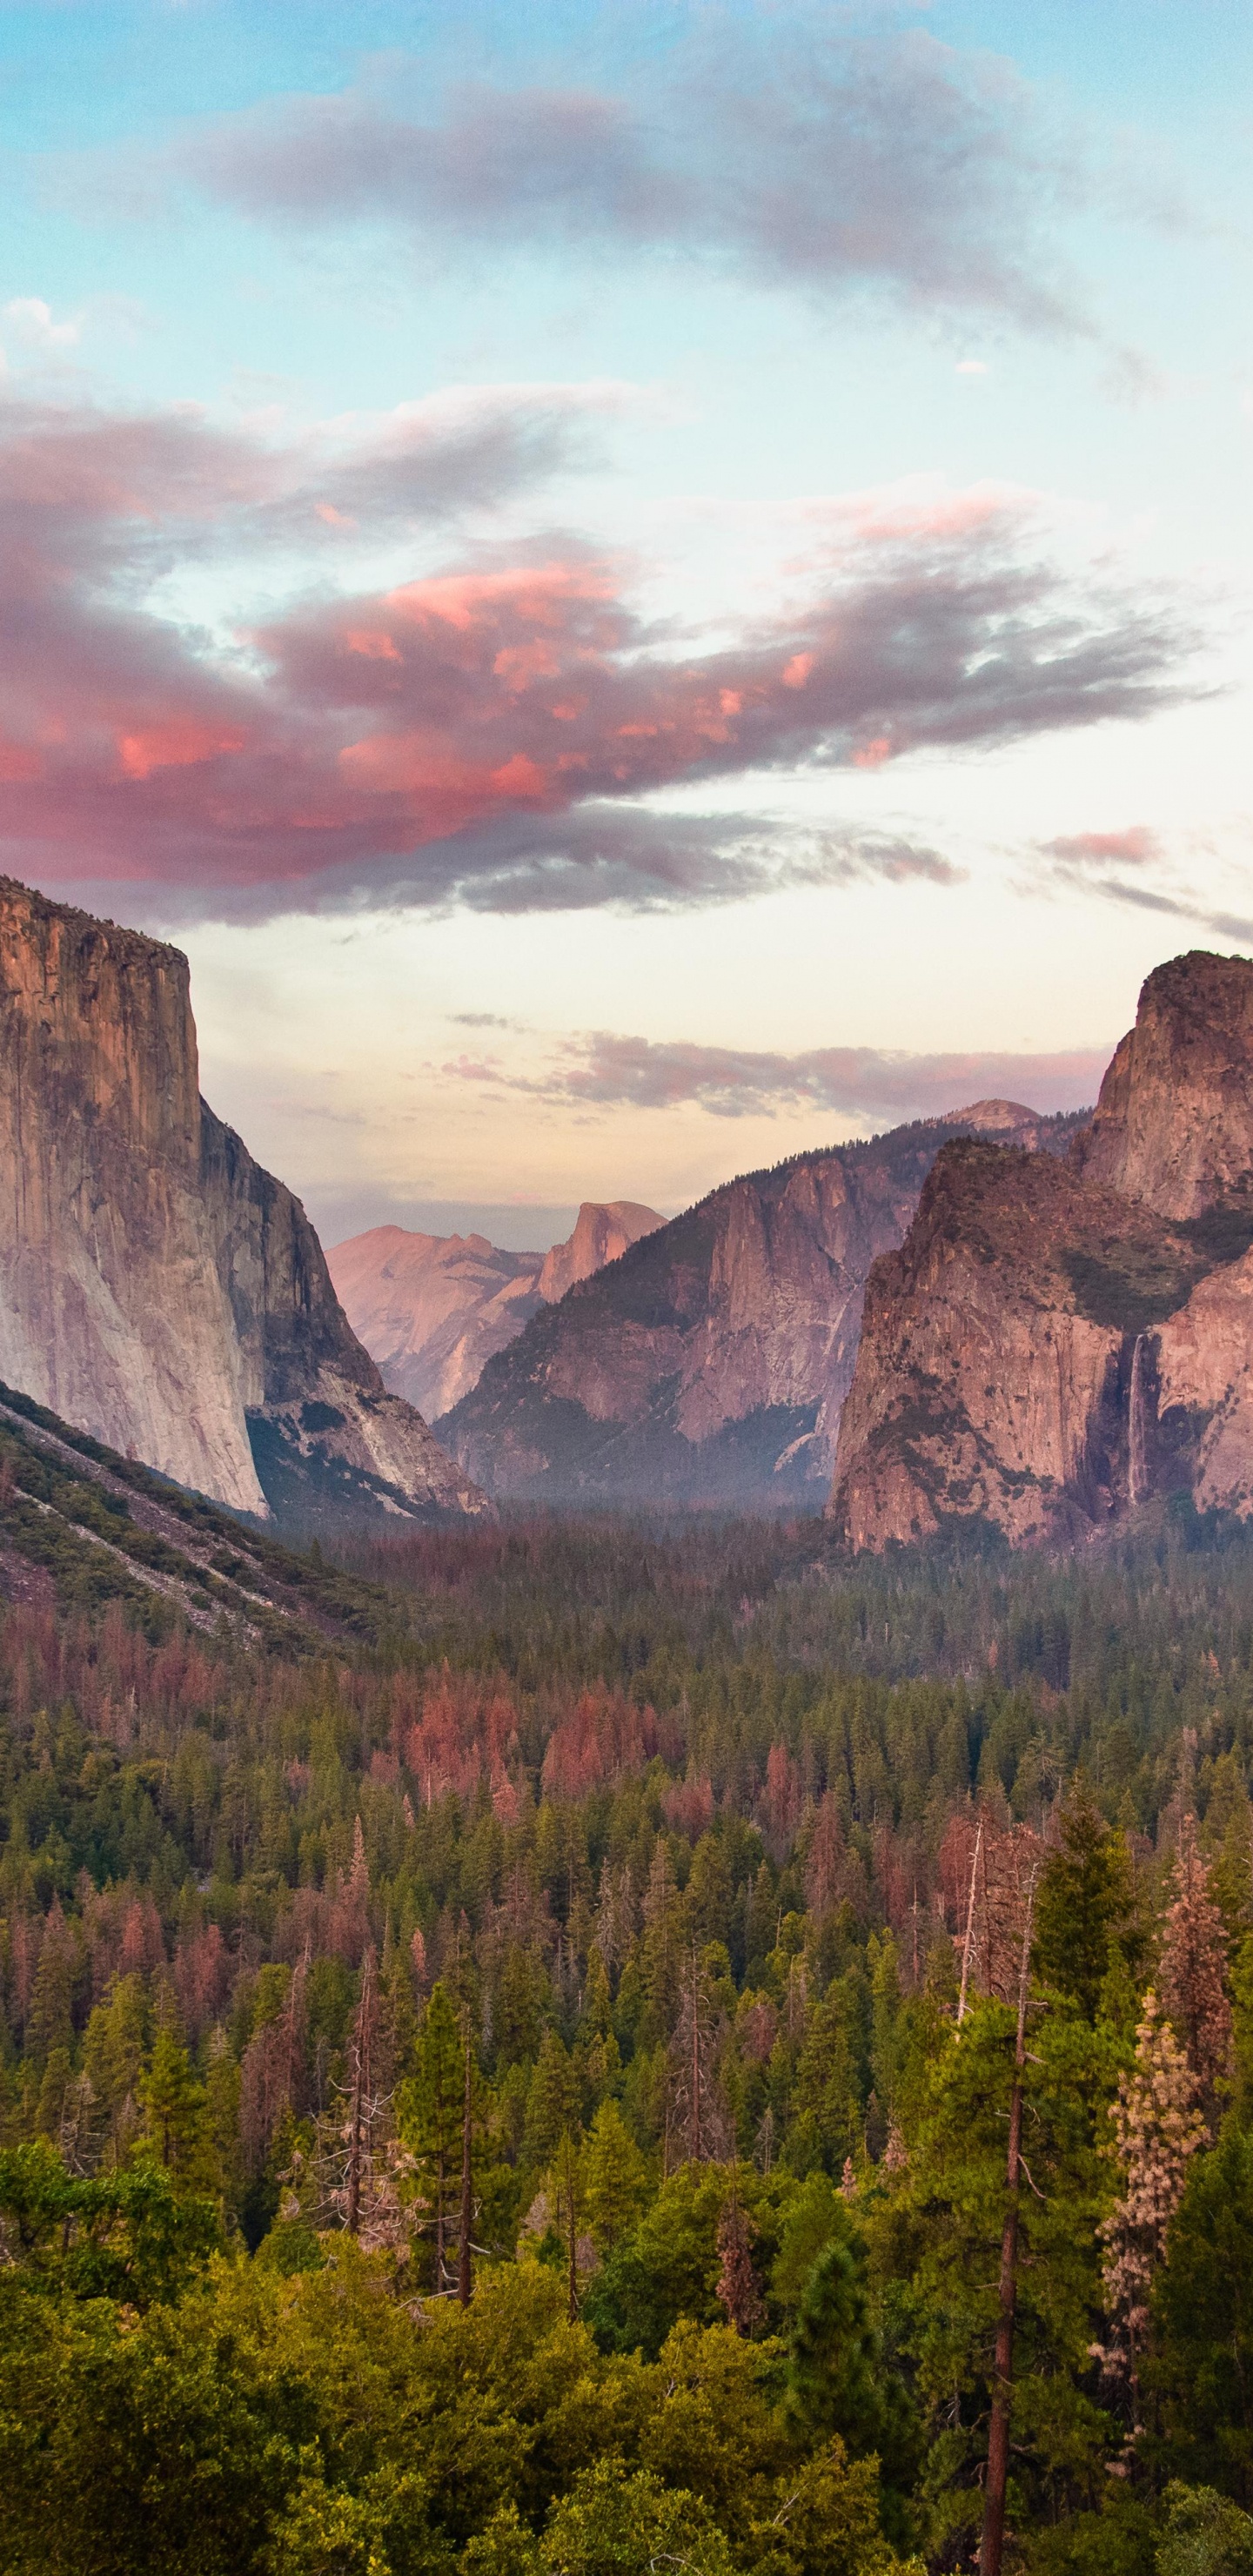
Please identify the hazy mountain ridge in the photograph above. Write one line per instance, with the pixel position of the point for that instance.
(708, 1365)
(433, 1309)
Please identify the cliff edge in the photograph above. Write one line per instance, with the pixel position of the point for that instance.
(157, 1288)
(1055, 1345)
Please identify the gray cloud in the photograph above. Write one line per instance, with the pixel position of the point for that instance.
(787, 146)
(487, 735)
(1135, 867)
(604, 1070)
(597, 857)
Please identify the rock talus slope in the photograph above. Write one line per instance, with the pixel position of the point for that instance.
(1051, 1349)
(157, 1288)
(709, 1364)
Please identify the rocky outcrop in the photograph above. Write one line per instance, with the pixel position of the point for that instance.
(157, 1288)
(709, 1364)
(432, 1309)
(1055, 1348)
(603, 1231)
(995, 1372)
(1173, 1126)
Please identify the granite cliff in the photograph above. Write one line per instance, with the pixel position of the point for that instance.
(1054, 1346)
(604, 1230)
(157, 1288)
(709, 1364)
(433, 1308)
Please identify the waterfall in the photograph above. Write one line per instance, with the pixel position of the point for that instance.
(1137, 1424)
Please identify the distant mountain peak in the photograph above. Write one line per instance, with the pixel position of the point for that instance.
(433, 1309)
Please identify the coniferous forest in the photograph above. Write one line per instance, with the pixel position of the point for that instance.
(640, 2048)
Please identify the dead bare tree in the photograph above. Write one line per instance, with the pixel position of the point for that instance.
(465, 2283)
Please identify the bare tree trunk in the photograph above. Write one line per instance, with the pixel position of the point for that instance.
(992, 2547)
(439, 2224)
(360, 2096)
(464, 2282)
(696, 2137)
(970, 1925)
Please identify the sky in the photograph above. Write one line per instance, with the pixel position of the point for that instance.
(642, 586)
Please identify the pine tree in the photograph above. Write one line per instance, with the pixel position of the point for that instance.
(429, 2117)
(837, 2382)
(552, 2104)
(113, 2058)
(615, 2177)
(1085, 1904)
(831, 2376)
(699, 2113)
(1157, 2130)
(51, 2022)
(222, 2095)
(173, 2105)
(660, 1952)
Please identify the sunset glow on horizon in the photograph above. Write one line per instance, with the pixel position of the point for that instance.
(641, 586)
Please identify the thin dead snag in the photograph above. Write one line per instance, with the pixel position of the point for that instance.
(361, 2096)
(992, 2546)
(464, 2278)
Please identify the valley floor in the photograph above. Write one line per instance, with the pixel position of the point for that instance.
(510, 2043)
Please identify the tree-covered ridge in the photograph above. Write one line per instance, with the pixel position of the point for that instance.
(533, 2090)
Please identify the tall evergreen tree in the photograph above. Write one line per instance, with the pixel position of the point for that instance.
(429, 2109)
(1085, 1904)
(615, 2177)
(173, 2104)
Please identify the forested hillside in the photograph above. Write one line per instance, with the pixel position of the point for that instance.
(518, 2070)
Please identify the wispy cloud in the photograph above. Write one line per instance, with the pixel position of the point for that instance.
(786, 147)
(604, 1070)
(1140, 867)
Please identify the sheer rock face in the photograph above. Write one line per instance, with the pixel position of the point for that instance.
(1197, 1416)
(1055, 1347)
(157, 1288)
(710, 1363)
(604, 1230)
(994, 1374)
(1174, 1123)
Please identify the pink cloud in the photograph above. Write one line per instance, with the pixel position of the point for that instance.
(604, 1069)
(360, 731)
(1134, 847)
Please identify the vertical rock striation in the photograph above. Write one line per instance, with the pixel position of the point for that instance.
(157, 1288)
(1173, 1126)
(1051, 1350)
